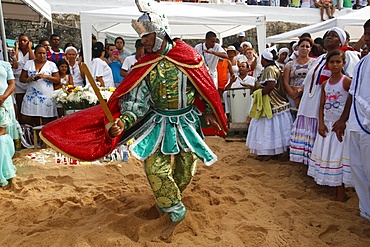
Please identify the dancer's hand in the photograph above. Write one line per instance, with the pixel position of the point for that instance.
(116, 128)
(211, 120)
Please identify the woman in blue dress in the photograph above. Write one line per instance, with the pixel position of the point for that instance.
(8, 124)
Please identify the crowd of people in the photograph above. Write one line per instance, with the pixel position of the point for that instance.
(302, 97)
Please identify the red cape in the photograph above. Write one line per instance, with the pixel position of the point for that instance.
(83, 136)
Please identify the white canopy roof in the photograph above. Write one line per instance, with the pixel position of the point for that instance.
(187, 21)
(351, 22)
(26, 9)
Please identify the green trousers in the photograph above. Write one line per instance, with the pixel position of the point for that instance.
(169, 179)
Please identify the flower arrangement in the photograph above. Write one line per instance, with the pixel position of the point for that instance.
(77, 98)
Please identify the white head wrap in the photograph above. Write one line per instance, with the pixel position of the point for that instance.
(294, 46)
(247, 44)
(267, 54)
(341, 34)
(282, 50)
(70, 48)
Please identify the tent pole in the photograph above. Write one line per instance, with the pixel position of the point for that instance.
(3, 36)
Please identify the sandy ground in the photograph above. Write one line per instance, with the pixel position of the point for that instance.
(238, 201)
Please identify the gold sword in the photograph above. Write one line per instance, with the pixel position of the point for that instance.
(102, 102)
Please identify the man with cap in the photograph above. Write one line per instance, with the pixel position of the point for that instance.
(154, 103)
(237, 44)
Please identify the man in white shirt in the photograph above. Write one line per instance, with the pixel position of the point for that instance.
(131, 60)
(357, 112)
(211, 52)
(241, 81)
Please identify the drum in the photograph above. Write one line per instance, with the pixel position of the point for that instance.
(240, 106)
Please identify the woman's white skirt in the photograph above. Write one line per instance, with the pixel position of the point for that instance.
(270, 136)
(329, 161)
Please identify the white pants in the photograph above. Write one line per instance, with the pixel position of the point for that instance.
(360, 168)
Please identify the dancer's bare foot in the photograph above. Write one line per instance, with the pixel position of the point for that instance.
(167, 233)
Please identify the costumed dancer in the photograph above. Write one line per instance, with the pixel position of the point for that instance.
(329, 161)
(269, 130)
(357, 111)
(305, 126)
(154, 103)
(8, 124)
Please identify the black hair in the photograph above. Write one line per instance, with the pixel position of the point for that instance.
(305, 35)
(39, 46)
(292, 43)
(54, 35)
(347, 35)
(115, 41)
(309, 40)
(97, 49)
(319, 41)
(210, 34)
(24, 34)
(367, 24)
(42, 40)
(68, 44)
(63, 61)
(336, 53)
(138, 43)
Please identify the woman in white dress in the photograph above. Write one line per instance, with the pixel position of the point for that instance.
(38, 108)
(268, 134)
(23, 53)
(74, 66)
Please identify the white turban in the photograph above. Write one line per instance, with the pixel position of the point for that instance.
(341, 34)
(247, 44)
(267, 54)
(282, 50)
(70, 48)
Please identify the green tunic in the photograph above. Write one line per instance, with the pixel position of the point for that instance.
(166, 98)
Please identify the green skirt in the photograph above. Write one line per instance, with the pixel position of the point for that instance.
(172, 130)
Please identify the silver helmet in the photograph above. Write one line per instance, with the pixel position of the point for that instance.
(152, 21)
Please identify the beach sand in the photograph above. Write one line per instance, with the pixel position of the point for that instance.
(238, 201)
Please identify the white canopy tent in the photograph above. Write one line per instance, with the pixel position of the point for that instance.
(351, 22)
(31, 10)
(187, 21)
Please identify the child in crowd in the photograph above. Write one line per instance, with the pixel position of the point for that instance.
(65, 79)
(329, 162)
(64, 73)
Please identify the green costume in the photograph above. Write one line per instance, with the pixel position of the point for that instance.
(166, 98)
